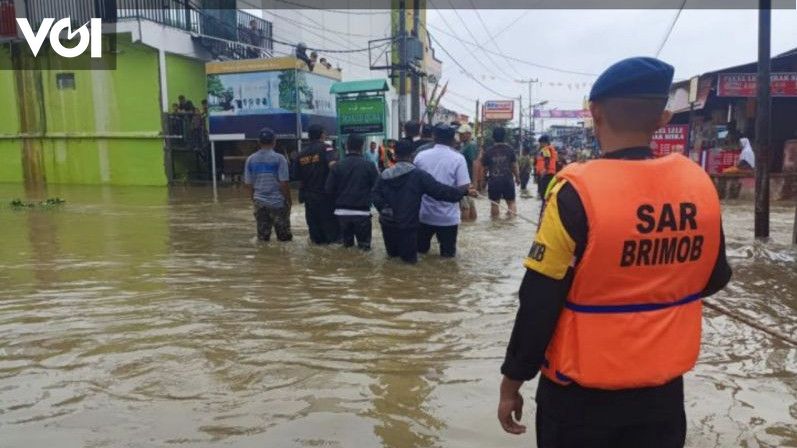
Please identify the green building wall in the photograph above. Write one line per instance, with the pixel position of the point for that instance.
(10, 155)
(104, 131)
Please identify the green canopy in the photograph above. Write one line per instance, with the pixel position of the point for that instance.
(366, 85)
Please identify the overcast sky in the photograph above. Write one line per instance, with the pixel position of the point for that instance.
(588, 41)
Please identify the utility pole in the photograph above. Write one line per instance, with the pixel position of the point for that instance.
(530, 83)
(762, 122)
(402, 47)
(415, 87)
(520, 123)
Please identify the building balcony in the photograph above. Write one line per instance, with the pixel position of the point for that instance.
(226, 33)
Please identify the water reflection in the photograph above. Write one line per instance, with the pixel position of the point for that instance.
(145, 317)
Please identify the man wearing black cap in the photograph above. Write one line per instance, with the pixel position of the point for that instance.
(266, 179)
(447, 166)
(610, 308)
(313, 166)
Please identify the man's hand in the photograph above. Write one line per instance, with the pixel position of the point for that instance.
(473, 192)
(511, 403)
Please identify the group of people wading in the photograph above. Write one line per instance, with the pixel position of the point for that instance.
(425, 191)
(610, 304)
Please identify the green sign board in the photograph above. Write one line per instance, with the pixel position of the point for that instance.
(364, 115)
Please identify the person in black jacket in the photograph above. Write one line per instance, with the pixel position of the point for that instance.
(350, 183)
(313, 165)
(397, 195)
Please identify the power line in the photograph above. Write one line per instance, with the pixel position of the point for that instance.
(346, 42)
(512, 58)
(492, 38)
(506, 28)
(456, 62)
(455, 36)
(672, 26)
(470, 33)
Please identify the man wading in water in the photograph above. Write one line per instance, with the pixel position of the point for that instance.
(610, 307)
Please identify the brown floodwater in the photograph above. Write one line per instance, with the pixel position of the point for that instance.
(142, 317)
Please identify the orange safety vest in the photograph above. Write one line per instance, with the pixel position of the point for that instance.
(553, 160)
(539, 164)
(632, 317)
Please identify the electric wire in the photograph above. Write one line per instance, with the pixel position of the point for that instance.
(473, 55)
(672, 26)
(469, 74)
(492, 39)
(512, 58)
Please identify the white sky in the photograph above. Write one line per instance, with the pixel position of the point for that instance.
(589, 41)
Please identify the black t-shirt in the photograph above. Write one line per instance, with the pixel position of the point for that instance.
(313, 168)
(498, 161)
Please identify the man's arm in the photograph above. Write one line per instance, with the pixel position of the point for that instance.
(542, 296)
(721, 274)
(377, 195)
(331, 185)
(284, 176)
(248, 188)
(440, 191)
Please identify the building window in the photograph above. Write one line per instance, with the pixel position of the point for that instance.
(65, 81)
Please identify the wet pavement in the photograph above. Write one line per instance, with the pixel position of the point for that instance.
(140, 317)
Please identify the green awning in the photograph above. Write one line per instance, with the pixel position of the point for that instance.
(366, 85)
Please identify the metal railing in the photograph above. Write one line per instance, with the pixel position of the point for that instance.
(8, 27)
(228, 33)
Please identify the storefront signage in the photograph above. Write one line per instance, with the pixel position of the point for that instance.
(361, 115)
(670, 139)
(745, 84)
(498, 110)
(557, 113)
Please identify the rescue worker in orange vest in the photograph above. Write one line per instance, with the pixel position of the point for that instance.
(548, 160)
(610, 306)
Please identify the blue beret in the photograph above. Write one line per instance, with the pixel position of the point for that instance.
(634, 77)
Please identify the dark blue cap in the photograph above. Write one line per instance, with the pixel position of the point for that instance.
(640, 77)
(267, 136)
(444, 131)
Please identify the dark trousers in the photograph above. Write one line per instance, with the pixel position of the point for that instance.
(271, 217)
(321, 221)
(358, 227)
(446, 236)
(401, 243)
(576, 417)
(542, 184)
(524, 180)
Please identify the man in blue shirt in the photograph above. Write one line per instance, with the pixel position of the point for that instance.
(266, 180)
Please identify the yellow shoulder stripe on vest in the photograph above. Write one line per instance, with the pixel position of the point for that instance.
(553, 250)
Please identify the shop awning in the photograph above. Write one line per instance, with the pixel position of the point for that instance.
(364, 86)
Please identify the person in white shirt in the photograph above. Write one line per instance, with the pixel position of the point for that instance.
(447, 166)
(747, 157)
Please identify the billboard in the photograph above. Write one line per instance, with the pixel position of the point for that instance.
(672, 138)
(362, 115)
(746, 84)
(558, 113)
(244, 102)
(498, 110)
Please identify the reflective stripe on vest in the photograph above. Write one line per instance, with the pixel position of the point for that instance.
(632, 317)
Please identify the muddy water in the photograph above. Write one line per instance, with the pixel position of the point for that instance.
(141, 317)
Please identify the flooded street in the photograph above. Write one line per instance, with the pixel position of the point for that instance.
(138, 317)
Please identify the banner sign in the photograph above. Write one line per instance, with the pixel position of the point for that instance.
(557, 113)
(746, 84)
(362, 115)
(670, 139)
(498, 110)
(244, 103)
